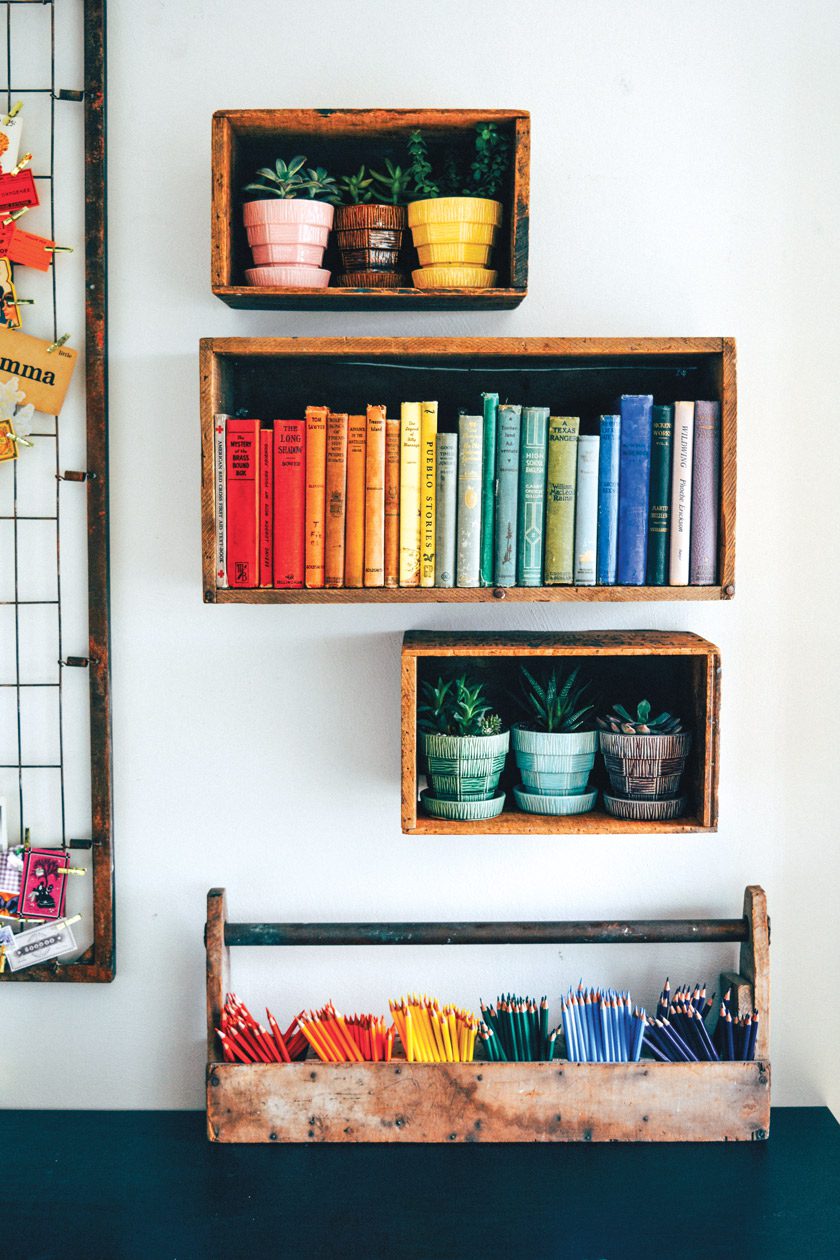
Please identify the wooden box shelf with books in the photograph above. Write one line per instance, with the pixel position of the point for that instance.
(478, 1100)
(468, 224)
(675, 671)
(531, 391)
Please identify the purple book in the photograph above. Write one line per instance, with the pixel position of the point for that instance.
(705, 495)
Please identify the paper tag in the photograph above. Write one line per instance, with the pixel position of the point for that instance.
(43, 377)
(43, 890)
(8, 450)
(7, 231)
(26, 249)
(17, 190)
(39, 944)
(9, 144)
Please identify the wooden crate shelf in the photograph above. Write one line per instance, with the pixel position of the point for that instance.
(342, 140)
(648, 1101)
(678, 667)
(280, 376)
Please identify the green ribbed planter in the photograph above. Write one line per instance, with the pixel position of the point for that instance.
(554, 763)
(465, 767)
(536, 803)
(463, 811)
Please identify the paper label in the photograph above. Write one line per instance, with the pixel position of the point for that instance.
(43, 377)
(17, 191)
(9, 144)
(39, 944)
(43, 889)
(27, 249)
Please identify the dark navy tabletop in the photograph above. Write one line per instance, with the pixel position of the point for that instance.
(124, 1185)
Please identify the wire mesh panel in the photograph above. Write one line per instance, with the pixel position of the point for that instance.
(54, 691)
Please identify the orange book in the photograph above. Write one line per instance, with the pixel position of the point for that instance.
(354, 531)
(336, 498)
(316, 493)
(392, 502)
(375, 497)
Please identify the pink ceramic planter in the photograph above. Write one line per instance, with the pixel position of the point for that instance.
(306, 255)
(291, 277)
(279, 210)
(287, 234)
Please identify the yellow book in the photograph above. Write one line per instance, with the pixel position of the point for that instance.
(410, 494)
(316, 494)
(428, 434)
(354, 530)
(392, 502)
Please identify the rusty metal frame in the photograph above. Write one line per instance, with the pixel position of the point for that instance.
(98, 963)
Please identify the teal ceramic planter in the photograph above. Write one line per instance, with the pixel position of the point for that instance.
(554, 763)
(465, 767)
(463, 811)
(538, 803)
(571, 783)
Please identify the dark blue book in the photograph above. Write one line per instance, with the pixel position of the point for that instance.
(608, 501)
(634, 487)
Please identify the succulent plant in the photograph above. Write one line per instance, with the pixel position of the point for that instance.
(285, 180)
(490, 161)
(556, 704)
(486, 170)
(456, 707)
(322, 185)
(621, 722)
(393, 185)
(356, 190)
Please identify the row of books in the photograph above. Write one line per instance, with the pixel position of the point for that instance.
(514, 497)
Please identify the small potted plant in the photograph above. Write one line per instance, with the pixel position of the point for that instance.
(454, 217)
(288, 226)
(555, 746)
(370, 225)
(645, 758)
(465, 749)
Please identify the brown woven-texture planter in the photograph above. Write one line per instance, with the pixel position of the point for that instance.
(644, 811)
(371, 280)
(369, 238)
(645, 747)
(371, 216)
(370, 259)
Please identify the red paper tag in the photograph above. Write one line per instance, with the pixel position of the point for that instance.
(17, 190)
(29, 250)
(7, 231)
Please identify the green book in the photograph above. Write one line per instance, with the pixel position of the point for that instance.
(561, 485)
(531, 525)
(659, 503)
(488, 490)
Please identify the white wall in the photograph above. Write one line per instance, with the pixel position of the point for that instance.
(685, 180)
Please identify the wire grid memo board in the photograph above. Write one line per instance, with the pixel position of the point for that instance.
(55, 742)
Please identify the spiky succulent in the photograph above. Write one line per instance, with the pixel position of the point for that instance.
(622, 723)
(356, 190)
(322, 185)
(392, 184)
(456, 707)
(285, 180)
(556, 704)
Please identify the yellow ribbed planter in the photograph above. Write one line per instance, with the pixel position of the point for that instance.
(454, 252)
(454, 233)
(455, 210)
(453, 277)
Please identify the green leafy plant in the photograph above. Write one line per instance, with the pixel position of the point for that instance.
(393, 185)
(285, 180)
(486, 171)
(622, 723)
(556, 704)
(456, 707)
(322, 185)
(490, 162)
(420, 169)
(356, 190)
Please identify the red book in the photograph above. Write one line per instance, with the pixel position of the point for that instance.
(242, 457)
(266, 506)
(289, 502)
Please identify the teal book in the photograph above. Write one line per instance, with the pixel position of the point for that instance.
(446, 507)
(507, 491)
(659, 502)
(586, 510)
(488, 489)
(470, 441)
(530, 535)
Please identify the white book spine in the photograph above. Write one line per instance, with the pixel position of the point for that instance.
(680, 542)
(586, 510)
(220, 491)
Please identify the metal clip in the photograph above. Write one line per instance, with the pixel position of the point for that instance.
(74, 476)
(58, 249)
(80, 662)
(27, 845)
(24, 161)
(64, 337)
(72, 870)
(69, 94)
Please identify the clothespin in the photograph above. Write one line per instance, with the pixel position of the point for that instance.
(67, 922)
(13, 112)
(57, 344)
(27, 843)
(22, 162)
(2, 959)
(15, 215)
(72, 870)
(58, 249)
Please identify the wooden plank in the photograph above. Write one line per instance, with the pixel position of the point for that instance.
(209, 377)
(755, 962)
(221, 223)
(556, 642)
(513, 822)
(474, 347)
(466, 595)
(408, 742)
(488, 1102)
(217, 956)
(521, 217)
(728, 468)
(255, 298)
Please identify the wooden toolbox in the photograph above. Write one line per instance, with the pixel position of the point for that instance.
(648, 1101)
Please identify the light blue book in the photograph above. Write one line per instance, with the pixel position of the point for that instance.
(470, 442)
(507, 491)
(446, 507)
(608, 462)
(531, 530)
(586, 510)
